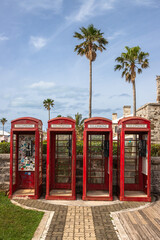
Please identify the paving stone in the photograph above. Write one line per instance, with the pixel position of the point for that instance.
(80, 223)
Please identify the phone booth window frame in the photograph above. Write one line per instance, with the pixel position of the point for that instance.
(98, 126)
(58, 127)
(22, 128)
(135, 126)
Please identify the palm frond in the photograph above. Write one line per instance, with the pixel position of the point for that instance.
(128, 77)
(139, 70)
(94, 41)
(48, 103)
(145, 64)
(117, 67)
(78, 35)
(131, 60)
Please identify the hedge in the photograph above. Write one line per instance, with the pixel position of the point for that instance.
(155, 148)
(4, 147)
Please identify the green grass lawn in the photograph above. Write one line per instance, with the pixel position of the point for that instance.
(17, 223)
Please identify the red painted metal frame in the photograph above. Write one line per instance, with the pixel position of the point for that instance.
(51, 159)
(37, 130)
(122, 130)
(96, 121)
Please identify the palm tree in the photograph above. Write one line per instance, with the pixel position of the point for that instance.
(79, 125)
(93, 40)
(132, 62)
(48, 104)
(3, 121)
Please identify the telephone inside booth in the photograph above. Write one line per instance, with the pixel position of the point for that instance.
(142, 148)
(106, 148)
(26, 158)
(97, 159)
(61, 159)
(70, 148)
(134, 160)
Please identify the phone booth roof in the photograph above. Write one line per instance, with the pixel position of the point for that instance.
(134, 123)
(98, 123)
(61, 123)
(26, 123)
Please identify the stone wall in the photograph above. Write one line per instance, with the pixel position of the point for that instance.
(4, 171)
(151, 111)
(5, 162)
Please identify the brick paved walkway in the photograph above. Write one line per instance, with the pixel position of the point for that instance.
(83, 223)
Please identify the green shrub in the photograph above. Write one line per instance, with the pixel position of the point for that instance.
(45, 147)
(4, 147)
(155, 148)
(79, 147)
(114, 148)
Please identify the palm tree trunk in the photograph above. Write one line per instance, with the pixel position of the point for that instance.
(90, 88)
(134, 114)
(134, 98)
(3, 129)
(48, 114)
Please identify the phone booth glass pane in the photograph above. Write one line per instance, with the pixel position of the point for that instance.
(40, 159)
(14, 158)
(63, 159)
(96, 160)
(131, 165)
(26, 160)
(26, 153)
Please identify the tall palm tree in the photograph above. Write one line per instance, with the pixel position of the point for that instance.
(48, 104)
(131, 62)
(3, 121)
(93, 40)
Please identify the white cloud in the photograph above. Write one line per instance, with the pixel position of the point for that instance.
(25, 103)
(38, 42)
(43, 85)
(91, 8)
(3, 38)
(32, 5)
(115, 35)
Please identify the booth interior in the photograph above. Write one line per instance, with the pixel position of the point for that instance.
(97, 159)
(26, 158)
(61, 159)
(134, 159)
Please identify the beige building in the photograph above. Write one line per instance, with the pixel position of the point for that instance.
(126, 113)
(151, 111)
(4, 136)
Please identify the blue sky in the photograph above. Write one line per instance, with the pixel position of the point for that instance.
(37, 58)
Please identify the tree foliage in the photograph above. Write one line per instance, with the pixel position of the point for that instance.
(48, 104)
(132, 62)
(93, 40)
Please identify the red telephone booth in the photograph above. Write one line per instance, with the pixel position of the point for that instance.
(97, 159)
(61, 159)
(134, 161)
(26, 158)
